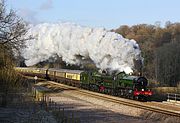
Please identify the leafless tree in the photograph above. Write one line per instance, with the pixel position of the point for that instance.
(12, 29)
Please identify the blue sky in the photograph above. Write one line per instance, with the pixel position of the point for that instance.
(98, 13)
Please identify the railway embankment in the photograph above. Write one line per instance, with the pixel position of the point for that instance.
(75, 101)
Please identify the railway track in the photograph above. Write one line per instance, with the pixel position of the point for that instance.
(127, 102)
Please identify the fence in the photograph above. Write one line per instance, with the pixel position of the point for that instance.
(27, 109)
(171, 97)
(59, 112)
(50, 106)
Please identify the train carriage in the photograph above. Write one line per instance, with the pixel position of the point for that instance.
(59, 75)
(25, 71)
(42, 72)
(74, 77)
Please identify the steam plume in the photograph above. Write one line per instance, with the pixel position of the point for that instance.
(74, 43)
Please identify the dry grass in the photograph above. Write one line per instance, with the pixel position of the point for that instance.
(167, 89)
(160, 93)
(178, 87)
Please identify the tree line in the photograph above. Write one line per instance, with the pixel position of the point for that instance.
(160, 48)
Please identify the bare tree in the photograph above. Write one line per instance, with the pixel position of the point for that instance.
(12, 29)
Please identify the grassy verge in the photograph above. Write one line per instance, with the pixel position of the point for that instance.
(160, 93)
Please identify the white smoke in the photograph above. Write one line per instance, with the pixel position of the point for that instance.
(108, 50)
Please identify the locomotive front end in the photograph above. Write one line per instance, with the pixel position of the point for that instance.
(140, 89)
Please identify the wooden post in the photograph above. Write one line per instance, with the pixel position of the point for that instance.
(72, 117)
(63, 113)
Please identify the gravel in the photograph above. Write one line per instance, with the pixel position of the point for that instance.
(97, 111)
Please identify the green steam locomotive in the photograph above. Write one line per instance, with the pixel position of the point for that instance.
(119, 84)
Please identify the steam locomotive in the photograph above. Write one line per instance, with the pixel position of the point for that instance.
(119, 84)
